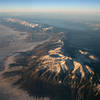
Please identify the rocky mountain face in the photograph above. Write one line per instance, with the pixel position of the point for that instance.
(50, 69)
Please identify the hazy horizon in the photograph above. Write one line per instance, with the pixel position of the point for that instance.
(52, 6)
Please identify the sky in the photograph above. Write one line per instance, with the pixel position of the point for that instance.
(50, 5)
